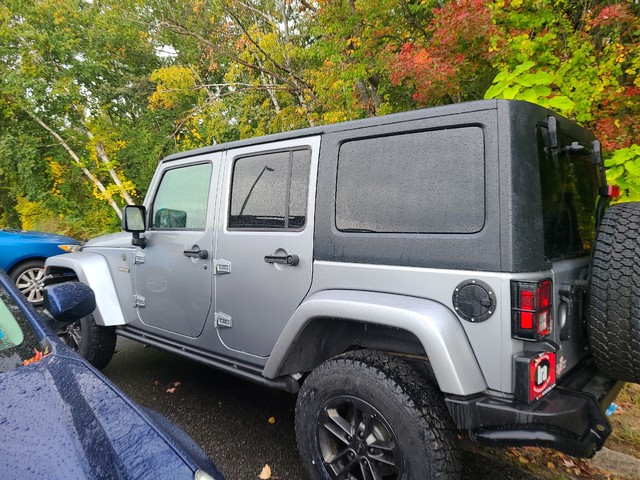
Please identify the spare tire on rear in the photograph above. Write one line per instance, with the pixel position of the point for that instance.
(613, 322)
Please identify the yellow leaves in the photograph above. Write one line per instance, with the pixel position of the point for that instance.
(129, 187)
(265, 473)
(197, 6)
(353, 43)
(272, 420)
(172, 83)
(30, 213)
(56, 174)
(58, 18)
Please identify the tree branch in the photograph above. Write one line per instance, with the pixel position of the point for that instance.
(78, 162)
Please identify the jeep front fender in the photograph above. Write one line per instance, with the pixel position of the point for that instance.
(434, 325)
(92, 269)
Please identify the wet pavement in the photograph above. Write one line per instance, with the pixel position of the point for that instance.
(243, 426)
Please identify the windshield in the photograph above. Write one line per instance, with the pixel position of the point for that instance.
(569, 184)
(19, 344)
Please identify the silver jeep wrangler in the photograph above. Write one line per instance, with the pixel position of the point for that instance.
(454, 268)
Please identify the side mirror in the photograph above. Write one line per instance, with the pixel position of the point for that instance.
(69, 302)
(134, 221)
(134, 218)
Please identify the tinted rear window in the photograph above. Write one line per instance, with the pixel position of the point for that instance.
(421, 182)
(569, 184)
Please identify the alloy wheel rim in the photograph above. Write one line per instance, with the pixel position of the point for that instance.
(31, 284)
(357, 443)
(71, 335)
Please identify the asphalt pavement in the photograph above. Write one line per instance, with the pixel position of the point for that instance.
(240, 425)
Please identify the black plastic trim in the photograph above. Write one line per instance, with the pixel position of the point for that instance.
(569, 419)
(286, 383)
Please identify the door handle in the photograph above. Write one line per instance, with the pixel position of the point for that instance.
(195, 252)
(292, 260)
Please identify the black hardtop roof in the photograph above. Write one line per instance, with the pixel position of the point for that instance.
(444, 110)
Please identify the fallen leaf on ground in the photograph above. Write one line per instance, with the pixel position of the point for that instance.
(171, 390)
(523, 459)
(265, 474)
(177, 384)
(550, 465)
(272, 420)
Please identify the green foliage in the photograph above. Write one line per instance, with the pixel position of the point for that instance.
(581, 60)
(534, 87)
(623, 169)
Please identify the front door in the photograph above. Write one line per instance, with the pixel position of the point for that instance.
(173, 272)
(265, 242)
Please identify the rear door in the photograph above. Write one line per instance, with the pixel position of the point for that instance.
(265, 242)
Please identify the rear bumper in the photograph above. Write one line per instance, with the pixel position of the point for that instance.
(569, 419)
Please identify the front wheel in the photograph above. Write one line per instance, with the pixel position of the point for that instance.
(91, 341)
(365, 415)
(29, 278)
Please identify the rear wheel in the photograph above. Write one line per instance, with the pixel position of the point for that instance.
(614, 308)
(91, 341)
(365, 415)
(29, 278)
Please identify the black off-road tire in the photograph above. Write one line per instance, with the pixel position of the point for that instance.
(401, 411)
(613, 322)
(91, 341)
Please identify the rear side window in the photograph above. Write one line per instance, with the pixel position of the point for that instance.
(421, 182)
(569, 185)
(269, 191)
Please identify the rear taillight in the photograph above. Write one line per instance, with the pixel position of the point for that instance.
(531, 309)
(612, 191)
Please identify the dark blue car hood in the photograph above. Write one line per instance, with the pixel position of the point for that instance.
(58, 419)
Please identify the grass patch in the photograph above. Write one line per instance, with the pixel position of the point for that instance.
(626, 422)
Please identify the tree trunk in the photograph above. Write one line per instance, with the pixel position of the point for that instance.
(112, 173)
(96, 181)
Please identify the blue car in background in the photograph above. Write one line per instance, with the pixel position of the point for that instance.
(61, 418)
(22, 256)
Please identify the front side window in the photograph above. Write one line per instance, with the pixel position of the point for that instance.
(182, 199)
(18, 341)
(269, 191)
